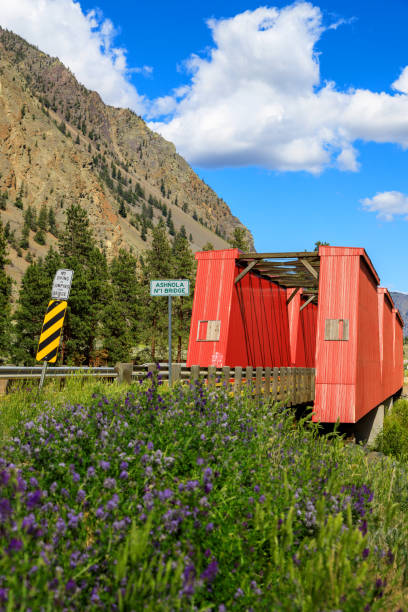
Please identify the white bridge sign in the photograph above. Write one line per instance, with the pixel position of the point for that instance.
(167, 288)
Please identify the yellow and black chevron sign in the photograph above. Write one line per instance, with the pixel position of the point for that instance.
(51, 331)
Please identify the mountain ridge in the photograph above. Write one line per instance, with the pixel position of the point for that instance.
(61, 144)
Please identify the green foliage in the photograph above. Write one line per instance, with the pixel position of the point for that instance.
(158, 264)
(319, 243)
(239, 239)
(122, 210)
(40, 237)
(5, 297)
(43, 218)
(393, 439)
(208, 246)
(184, 267)
(163, 500)
(89, 287)
(122, 316)
(3, 200)
(33, 299)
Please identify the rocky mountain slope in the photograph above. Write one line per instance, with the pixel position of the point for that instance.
(60, 144)
(401, 302)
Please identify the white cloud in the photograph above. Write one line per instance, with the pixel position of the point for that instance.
(257, 99)
(387, 204)
(82, 42)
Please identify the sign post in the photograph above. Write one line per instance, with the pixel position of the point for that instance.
(169, 288)
(53, 321)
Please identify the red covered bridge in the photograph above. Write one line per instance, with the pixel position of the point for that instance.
(322, 309)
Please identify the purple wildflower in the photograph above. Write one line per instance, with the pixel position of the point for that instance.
(210, 572)
(70, 586)
(123, 475)
(5, 509)
(109, 483)
(33, 499)
(15, 545)
(90, 472)
(112, 503)
(105, 465)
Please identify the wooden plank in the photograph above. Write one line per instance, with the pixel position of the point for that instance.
(245, 271)
(237, 381)
(292, 295)
(225, 376)
(275, 383)
(289, 255)
(267, 383)
(310, 268)
(312, 297)
(248, 377)
(3, 386)
(212, 372)
(195, 373)
(175, 372)
(258, 381)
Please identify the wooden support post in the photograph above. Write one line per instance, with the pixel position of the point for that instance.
(267, 383)
(285, 372)
(175, 372)
(248, 377)
(237, 381)
(313, 376)
(275, 384)
(212, 372)
(258, 382)
(226, 370)
(194, 373)
(124, 371)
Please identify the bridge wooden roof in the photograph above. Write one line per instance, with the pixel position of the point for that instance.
(299, 270)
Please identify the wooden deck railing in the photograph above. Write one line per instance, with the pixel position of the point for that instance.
(292, 385)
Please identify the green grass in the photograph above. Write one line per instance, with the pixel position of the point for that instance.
(186, 499)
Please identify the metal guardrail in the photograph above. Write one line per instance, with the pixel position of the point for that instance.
(29, 372)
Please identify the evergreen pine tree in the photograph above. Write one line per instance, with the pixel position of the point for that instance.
(35, 293)
(157, 265)
(122, 315)
(89, 287)
(5, 296)
(239, 239)
(43, 218)
(183, 267)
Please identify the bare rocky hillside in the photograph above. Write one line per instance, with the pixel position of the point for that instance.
(60, 144)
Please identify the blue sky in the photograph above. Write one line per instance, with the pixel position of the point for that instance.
(297, 115)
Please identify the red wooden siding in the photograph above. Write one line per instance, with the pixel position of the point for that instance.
(302, 331)
(354, 375)
(253, 316)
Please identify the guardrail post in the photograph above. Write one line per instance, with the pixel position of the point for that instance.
(175, 372)
(124, 371)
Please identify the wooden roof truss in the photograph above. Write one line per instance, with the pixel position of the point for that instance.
(298, 270)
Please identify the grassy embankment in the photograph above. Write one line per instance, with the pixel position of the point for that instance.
(188, 500)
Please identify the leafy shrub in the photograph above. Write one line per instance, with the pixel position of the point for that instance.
(393, 440)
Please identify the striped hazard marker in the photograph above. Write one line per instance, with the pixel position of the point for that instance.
(51, 331)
